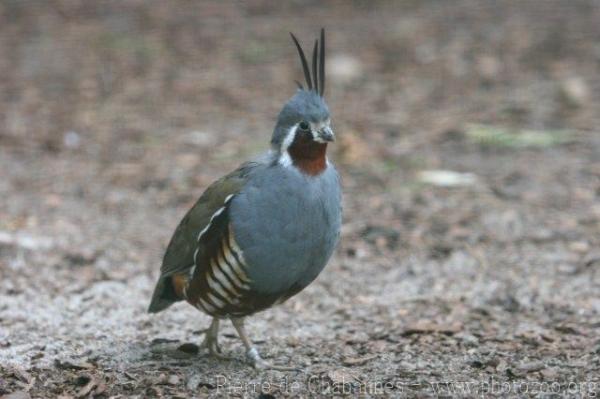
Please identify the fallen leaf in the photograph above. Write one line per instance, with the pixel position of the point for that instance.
(87, 388)
(357, 361)
(340, 376)
(426, 327)
(530, 367)
(70, 364)
(22, 375)
(447, 178)
(498, 136)
(16, 395)
(160, 341)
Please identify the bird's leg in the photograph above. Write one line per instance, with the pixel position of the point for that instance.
(251, 351)
(211, 340)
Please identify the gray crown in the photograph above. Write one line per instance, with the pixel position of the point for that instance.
(308, 103)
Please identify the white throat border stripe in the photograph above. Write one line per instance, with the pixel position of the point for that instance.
(284, 156)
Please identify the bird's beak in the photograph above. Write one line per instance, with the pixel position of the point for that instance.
(326, 134)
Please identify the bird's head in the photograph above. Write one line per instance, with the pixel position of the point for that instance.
(303, 127)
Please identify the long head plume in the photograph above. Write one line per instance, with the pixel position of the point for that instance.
(317, 81)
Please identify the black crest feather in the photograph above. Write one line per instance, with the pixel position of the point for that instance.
(322, 64)
(315, 82)
(314, 66)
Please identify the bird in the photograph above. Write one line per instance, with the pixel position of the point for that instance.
(262, 233)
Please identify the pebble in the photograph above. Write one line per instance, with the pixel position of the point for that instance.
(344, 68)
(579, 246)
(575, 91)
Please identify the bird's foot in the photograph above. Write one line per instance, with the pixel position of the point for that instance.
(211, 340)
(260, 364)
(211, 343)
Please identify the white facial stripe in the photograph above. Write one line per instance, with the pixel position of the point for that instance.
(284, 157)
(289, 138)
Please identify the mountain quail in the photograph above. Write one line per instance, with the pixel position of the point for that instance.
(264, 232)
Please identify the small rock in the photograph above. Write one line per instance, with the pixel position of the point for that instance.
(25, 241)
(591, 258)
(427, 327)
(344, 68)
(161, 341)
(477, 363)
(568, 329)
(354, 149)
(200, 138)
(189, 348)
(173, 380)
(72, 140)
(160, 379)
(530, 367)
(579, 246)
(357, 361)
(82, 380)
(340, 376)
(16, 395)
(502, 367)
(469, 339)
(514, 373)
(293, 342)
(381, 236)
(22, 375)
(87, 389)
(575, 91)
(194, 382)
(549, 374)
(447, 178)
(488, 67)
(71, 364)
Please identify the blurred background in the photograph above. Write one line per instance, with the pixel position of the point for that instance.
(469, 150)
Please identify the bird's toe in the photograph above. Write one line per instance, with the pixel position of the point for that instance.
(259, 363)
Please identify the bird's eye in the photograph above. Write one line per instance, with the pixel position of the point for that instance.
(304, 126)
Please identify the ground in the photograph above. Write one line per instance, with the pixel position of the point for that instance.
(469, 150)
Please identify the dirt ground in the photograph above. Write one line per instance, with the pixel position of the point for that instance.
(482, 280)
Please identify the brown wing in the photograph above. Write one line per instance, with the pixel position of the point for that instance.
(179, 256)
(183, 250)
